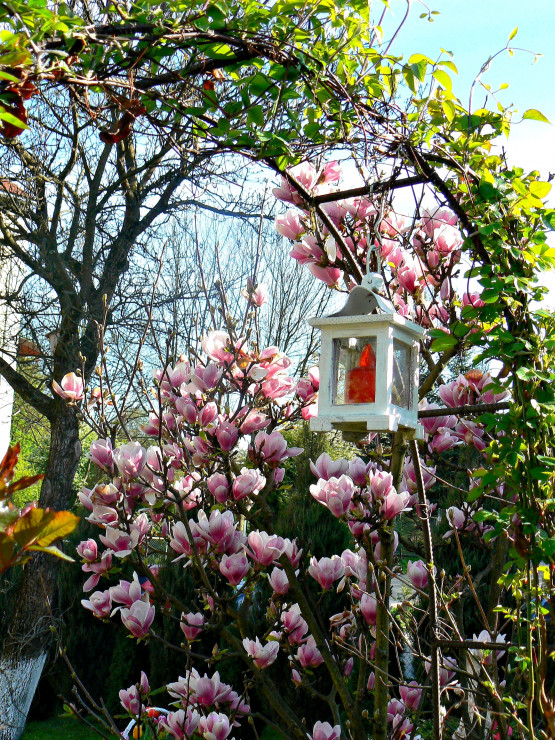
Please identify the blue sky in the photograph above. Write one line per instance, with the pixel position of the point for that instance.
(474, 30)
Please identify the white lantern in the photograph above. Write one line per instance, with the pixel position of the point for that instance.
(369, 361)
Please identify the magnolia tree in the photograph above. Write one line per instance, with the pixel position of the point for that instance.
(280, 83)
(203, 493)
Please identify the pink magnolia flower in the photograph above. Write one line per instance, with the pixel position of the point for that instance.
(371, 683)
(254, 421)
(408, 278)
(394, 707)
(437, 219)
(336, 494)
(368, 608)
(249, 483)
(402, 727)
(326, 570)
(99, 603)
(485, 657)
(472, 299)
(71, 388)
(181, 724)
(328, 275)
(380, 484)
(265, 548)
(262, 656)
(432, 424)
(293, 552)
(417, 573)
(447, 669)
(326, 468)
(227, 435)
(305, 174)
(470, 433)
(101, 454)
(290, 226)
(127, 592)
(120, 542)
(205, 378)
(138, 617)
(411, 694)
(96, 569)
(447, 239)
(442, 441)
(218, 486)
(187, 409)
(294, 625)
(234, 567)
(272, 448)
(217, 345)
(216, 726)
(307, 251)
(308, 654)
(191, 625)
(278, 581)
(456, 393)
(131, 701)
(278, 386)
(88, 550)
(220, 529)
(305, 390)
(331, 172)
(130, 460)
(324, 731)
(257, 295)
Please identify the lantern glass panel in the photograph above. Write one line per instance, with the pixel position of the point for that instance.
(354, 378)
(401, 393)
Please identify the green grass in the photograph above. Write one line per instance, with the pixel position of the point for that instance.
(66, 728)
(58, 728)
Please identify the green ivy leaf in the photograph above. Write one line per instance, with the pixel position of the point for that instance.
(535, 115)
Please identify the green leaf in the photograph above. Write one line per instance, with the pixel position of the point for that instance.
(444, 80)
(10, 118)
(539, 189)
(51, 550)
(513, 33)
(535, 115)
(440, 344)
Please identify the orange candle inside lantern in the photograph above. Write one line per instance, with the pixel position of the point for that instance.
(360, 385)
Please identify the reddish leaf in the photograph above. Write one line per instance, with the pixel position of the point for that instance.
(6, 551)
(63, 523)
(31, 525)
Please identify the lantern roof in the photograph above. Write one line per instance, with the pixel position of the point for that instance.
(364, 304)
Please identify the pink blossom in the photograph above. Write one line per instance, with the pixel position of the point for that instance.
(371, 683)
(307, 251)
(120, 542)
(326, 468)
(214, 727)
(328, 275)
(179, 373)
(88, 550)
(437, 219)
(292, 552)
(180, 540)
(314, 376)
(309, 412)
(99, 603)
(360, 208)
(278, 386)
(442, 441)
(456, 393)
(249, 483)
(278, 581)
(206, 378)
(331, 172)
(368, 608)
(101, 454)
(485, 657)
(97, 569)
(326, 570)
(218, 486)
(219, 530)
(432, 424)
(130, 701)
(234, 567)
(262, 656)
(138, 617)
(272, 448)
(181, 724)
(265, 548)
(254, 421)
(417, 573)
(127, 592)
(257, 295)
(130, 460)
(447, 668)
(470, 433)
(187, 409)
(308, 654)
(394, 707)
(216, 345)
(294, 625)
(71, 388)
(378, 548)
(336, 494)
(447, 239)
(472, 299)
(411, 694)
(305, 390)
(290, 226)
(402, 727)
(227, 435)
(407, 277)
(380, 484)
(191, 625)
(324, 731)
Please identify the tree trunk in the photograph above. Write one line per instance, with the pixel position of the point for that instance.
(27, 636)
